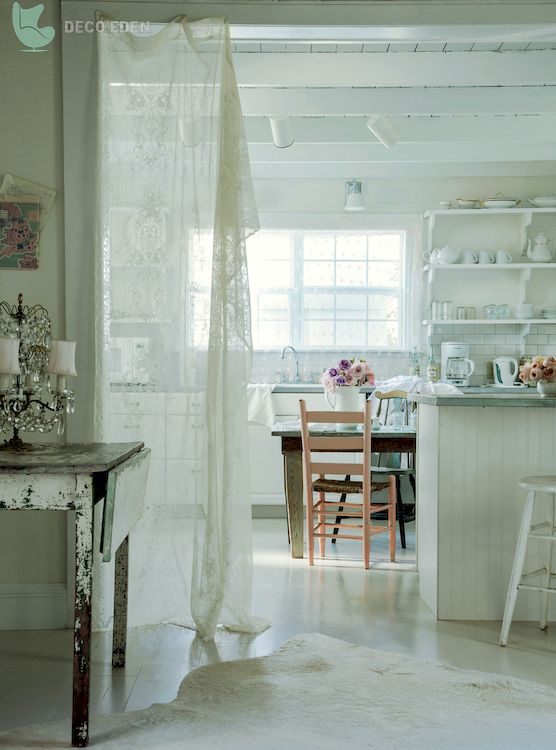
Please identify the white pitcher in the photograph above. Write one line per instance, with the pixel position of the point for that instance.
(344, 398)
(541, 251)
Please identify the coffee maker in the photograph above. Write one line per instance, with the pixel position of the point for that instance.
(455, 366)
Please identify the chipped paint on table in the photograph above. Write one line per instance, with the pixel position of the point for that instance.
(74, 478)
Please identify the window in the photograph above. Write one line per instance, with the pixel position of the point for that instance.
(325, 289)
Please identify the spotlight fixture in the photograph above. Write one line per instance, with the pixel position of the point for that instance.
(282, 135)
(354, 196)
(383, 128)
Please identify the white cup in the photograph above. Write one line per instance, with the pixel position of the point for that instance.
(375, 423)
(503, 256)
(470, 257)
(486, 257)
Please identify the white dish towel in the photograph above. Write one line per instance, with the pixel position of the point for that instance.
(260, 408)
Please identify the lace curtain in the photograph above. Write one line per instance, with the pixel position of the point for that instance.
(175, 206)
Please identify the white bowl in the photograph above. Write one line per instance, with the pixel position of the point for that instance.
(544, 201)
(500, 203)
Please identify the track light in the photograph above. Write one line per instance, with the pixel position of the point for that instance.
(282, 135)
(354, 196)
(383, 128)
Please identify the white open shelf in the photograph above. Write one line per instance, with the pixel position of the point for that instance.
(488, 211)
(486, 266)
(486, 321)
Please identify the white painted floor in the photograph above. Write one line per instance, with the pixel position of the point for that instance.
(379, 608)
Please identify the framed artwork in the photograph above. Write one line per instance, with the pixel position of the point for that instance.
(19, 232)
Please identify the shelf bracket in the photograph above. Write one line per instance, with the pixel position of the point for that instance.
(525, 277)
(525, 331)
(526, 219)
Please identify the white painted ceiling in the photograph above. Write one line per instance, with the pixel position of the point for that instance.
(466, 100)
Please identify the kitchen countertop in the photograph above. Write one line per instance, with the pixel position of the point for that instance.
(487, 396)
(309, 388)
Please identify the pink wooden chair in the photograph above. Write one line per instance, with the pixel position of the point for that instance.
(321, 513)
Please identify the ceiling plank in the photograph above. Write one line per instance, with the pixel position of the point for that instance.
(389, 170)
(402, 69)
(357, 153)
(424, 101)
(412, 130)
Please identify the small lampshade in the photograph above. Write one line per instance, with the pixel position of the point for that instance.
(384, 129)
(9, 356)
(62, 358)
(354, 196)
(282, 135)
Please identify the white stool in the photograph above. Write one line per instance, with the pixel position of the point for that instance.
(528, 530)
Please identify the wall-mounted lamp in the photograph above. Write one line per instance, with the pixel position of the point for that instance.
(383, 128)
(282, 135)
(354, 196)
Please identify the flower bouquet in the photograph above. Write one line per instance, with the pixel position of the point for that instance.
(342, 382)
(542, 371)
(349, 372)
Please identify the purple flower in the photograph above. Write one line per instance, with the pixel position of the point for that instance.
(344, 364)
(340, 380)
(332, 372)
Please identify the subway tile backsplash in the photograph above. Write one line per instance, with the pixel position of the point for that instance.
(486, 342)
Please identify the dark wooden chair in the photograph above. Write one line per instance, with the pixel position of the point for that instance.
(389, 464)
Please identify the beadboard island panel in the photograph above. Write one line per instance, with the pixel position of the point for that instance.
(469, 461)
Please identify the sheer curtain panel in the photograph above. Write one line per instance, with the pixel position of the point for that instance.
(175, 207)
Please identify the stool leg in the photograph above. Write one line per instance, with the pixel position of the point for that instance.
(517, 569)
(544, 595)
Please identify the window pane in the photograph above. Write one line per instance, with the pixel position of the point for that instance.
(350, 333)
(318, 333)
(351, 307)
(383, 335)
(351, 247)
(385, 246)
(318, 246)
(268, 334)
(384, 273)
(350, 273)
(318, 306)
(318, 273)
(383, 307)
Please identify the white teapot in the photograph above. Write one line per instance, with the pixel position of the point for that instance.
(541, 251)
(448, 255)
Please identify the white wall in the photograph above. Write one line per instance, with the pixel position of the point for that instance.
(32, 544)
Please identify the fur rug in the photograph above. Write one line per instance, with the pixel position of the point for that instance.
(319, 693)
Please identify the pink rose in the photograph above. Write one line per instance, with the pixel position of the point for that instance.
(549, 373)
(525, 373)
(371, 378)
(535, 374)
(349, 377)
(537, 361)
(549, 362)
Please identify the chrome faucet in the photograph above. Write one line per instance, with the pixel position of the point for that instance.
(297, 378)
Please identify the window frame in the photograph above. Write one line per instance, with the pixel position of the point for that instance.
(297, 291)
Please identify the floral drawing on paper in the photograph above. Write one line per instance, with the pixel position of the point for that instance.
(19, 233)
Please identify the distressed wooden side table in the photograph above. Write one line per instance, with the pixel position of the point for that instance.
(74, 477)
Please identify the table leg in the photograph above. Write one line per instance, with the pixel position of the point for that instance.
(119, 632)
(293, 472)
(82, 620)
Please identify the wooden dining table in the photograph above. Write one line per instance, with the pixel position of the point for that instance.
(384, 440)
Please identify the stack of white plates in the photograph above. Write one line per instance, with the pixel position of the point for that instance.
(549, 313)
(524, 311)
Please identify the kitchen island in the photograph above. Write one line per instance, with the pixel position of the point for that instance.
(471, 451)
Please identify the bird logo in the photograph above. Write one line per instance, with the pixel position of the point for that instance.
(26, 26)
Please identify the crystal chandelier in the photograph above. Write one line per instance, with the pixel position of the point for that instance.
(33, 368)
